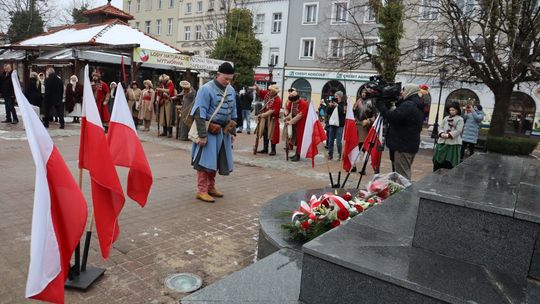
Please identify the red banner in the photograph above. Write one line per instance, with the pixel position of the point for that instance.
(261, 77)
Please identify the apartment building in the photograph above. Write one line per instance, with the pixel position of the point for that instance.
(158, 18)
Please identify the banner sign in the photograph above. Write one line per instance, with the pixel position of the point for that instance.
(176, 60)
(327, 75)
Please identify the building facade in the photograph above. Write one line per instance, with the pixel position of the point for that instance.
(158, 18)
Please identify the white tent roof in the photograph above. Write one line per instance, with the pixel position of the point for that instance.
(111, 33)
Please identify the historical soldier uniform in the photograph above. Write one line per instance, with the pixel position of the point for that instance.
(164, 94)
(268, 122)
(102, 95)
(296, 114)
(146, 104)
(188, 98)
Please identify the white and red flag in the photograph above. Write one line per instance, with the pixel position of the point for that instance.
(350, 138)
(60, 210)
(314, 134)
(107, 195)
(376, 137)
(127, 151)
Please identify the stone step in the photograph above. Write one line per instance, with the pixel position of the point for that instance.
(274, 279)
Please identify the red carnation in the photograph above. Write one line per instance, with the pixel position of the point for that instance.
(359, 208)
(384, 194)
(312, 216)
(343, 214)
(305, 225)
(335, 223)
(325, 202)
(347, 196)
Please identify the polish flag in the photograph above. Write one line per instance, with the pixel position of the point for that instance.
(376, 137)
(127, 151)
(350, 138)
(107, 195)
(60, 210)
(314, 134)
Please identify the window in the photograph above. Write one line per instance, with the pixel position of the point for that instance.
(428, 10)
(187, 33)
(129, 6)
(222, 29)
(307, 48)
(259, 23)
(310, 13)
(276, 23)
(171, 3)
(198, 32)
(147, 26)
(335, 48)
(188, 8)
(210, 31)
(425, 49)
(274, 56)
(169, 26)
(211, 5)
(478, 48)
(159, 4)
(199, 6)
(371, 45)
(370, 15)
(138, 6)
(137, 24)
(468, 7)
(158, 27)
(149, 5)
(196, 53)
(339, 12)
(207, 53)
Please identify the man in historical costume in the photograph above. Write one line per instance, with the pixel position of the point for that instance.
(74, 96)
(213, 152)
(268, 119)
(54, 93)
(165, 92)
(296, 112)
(102, 94)
(187, 98)
(133, 95)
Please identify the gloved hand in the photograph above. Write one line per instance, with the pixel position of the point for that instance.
(230, 128)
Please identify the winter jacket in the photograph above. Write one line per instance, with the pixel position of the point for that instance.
(54, 90)
(33, 92)
(341, 113)
(405, 124)
(455, 128)
(472, 125)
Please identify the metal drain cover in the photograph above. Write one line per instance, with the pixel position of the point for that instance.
(183, 282)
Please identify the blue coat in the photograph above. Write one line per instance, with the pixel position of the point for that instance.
(207, 100)
(472, 126)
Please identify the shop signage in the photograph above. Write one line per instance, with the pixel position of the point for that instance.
(176, 60)
(328, 75)
(261, 77)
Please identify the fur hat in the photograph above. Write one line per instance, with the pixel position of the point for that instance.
(226, 68)
(33, 75)
(164, 78)
(148, 83)
(409, 90)
(96, 73)
(185, 84)
(273, 88)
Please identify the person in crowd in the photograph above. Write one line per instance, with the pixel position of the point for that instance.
(133, 96)
(335, 129)
(246, 98)
(239, 119)
(41, 79)
(102, 95)
(268, 119)
(164, 93)
(6, 88)
(364, 116)
(296, 112)
(146, 104)
(472, 118)
(54, 93)
(112, 88)
(74, 96)
(322, 112)
(448, 149)
(405, 124)
(33, 90)
(214, 104)
(188, 99)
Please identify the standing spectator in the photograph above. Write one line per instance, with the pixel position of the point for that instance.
(133, 95)
(146, 104)
(165, 92)
(335, 132)
(102, 95)
(33, 90)
(188, 98)
(448, 149)
(213, 152)
(74, 96)
(364, 116)
(268, 120)
(405, 125)
(8, 93)
(41, 78)
(473, 117)
(54, 92)
(246, 98)
(112, 88)
(239, 119)
(296, 112)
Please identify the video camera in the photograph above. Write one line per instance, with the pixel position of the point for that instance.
(381, 91)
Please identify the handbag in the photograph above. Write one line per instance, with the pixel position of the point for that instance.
(193, 133)
(334, 118)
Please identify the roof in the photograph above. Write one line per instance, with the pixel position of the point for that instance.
(108, 9)
(111, 32)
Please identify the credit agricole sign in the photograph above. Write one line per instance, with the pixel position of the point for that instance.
(176, 60)
(327, 75)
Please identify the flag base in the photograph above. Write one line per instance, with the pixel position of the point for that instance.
(85, 279)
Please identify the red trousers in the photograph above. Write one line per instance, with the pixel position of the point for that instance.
(205, 180)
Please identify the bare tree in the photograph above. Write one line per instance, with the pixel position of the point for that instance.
(48, 12)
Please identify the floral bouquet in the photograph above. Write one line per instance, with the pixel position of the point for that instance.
(330, 210)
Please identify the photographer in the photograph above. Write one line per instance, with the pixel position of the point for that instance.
(405, 125)
(473, 116)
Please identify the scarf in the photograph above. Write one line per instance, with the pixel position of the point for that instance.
(73, 85)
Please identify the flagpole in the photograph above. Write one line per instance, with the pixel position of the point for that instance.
(328, 167)
(350, 170)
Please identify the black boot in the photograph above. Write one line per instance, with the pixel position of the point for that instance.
(273, 152)
(295, 158)
(265, 149)
(164, 132)
(169, 131)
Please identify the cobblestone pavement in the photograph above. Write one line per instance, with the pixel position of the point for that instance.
(174, 232)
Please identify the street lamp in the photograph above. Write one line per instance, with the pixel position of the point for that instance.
(442, 77)
(270, 70)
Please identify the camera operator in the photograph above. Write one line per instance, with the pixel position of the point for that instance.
(405, 125)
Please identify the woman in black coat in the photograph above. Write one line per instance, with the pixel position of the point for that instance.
(33, 90)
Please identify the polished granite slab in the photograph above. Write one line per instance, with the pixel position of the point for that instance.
(274, 279)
